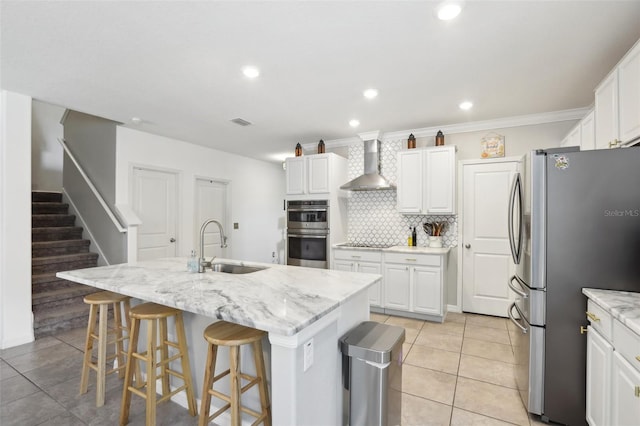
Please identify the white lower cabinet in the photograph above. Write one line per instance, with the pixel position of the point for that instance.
(599, 354)
(398, 285)
(427, 290)
(613, 370)
(366, 261)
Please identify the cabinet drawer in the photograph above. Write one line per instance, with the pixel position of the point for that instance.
(600, 319)
(358, 255)
(627, 343)
(410, 258)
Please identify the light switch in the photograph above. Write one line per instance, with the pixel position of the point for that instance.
(235, 225)
(308, 354)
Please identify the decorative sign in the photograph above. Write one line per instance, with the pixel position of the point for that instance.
(492, 146)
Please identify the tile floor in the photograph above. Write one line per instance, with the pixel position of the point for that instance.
(456, 373)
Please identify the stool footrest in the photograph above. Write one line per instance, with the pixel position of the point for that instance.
(170, 394)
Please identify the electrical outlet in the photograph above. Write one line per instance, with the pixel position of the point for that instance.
(235, 225)
(308, 355)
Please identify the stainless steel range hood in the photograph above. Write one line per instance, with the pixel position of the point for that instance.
(371, 180)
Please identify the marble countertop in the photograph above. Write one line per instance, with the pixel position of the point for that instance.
(622, 305)
(279, 299)
(396, 249)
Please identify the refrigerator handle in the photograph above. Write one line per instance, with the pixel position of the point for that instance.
(518, 291)
(516, 194)
(514, 320)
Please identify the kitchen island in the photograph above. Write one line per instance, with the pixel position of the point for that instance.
(298, 307)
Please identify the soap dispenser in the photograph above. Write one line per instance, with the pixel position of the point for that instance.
(414, 237)
(192, 263)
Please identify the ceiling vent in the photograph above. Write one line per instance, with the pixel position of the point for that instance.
(241, 122)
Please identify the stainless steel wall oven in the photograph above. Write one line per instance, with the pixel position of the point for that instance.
(308, 233)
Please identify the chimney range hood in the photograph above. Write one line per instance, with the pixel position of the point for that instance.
(371, 180)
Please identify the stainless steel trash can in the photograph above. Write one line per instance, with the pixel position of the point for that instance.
(372, 374)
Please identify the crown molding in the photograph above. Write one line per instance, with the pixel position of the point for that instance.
(474, 126)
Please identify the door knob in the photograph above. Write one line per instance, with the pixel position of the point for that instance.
(172, 240)
(467, 246)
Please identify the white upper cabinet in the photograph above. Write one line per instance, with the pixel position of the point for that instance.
(588, 132)
(315, 176)
(427, 180)
(629, 95)
(573, 138)
(606, 110)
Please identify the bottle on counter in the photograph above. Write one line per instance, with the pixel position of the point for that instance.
(192, 263)
(414, 237)
(410, 239)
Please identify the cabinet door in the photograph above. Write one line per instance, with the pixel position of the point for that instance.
(587, 132)
(629, 83)
(409, 191)
(343, 265)
(396, 287)
(573, 138)
(439, 180)
(295, 175)
(375, 291)
(606, 111)
(625, 393)
(318, 174)
(427, 290)
(599, 353)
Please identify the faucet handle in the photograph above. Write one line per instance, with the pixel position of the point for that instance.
(224, 242)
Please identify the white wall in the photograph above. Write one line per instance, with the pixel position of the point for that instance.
(46, 152)
(16, 320)
(256, 190)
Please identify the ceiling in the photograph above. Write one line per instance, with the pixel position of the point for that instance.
(177, 64)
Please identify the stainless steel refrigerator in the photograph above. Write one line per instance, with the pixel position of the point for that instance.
(574, 223)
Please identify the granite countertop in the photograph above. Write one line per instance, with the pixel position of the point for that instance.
(622, 305)
(396, 249)
(279, 299)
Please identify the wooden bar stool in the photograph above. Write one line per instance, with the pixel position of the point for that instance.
(156, 315)
(99, 306)
(223, 333)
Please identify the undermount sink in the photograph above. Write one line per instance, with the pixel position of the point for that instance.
(230, 268)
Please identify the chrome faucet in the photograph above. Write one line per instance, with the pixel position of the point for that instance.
(202, 262)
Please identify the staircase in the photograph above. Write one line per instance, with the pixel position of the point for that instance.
(57, 245)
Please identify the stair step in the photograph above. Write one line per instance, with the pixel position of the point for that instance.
(46, 196)
(52, 220)
(63, 262)
(48, 281)
(55, 320)
(56, 233)
(54, 248)
(61, 297)
(49, 208)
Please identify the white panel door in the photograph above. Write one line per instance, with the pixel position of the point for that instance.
(155, 199)
(486, 256)
(210, 203)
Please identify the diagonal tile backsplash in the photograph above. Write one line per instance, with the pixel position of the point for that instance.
(372, 215)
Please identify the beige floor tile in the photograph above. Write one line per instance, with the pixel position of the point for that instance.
(422, 412)
(455, 317)
(466, 418)
(446, 327)
(405, 322)
(489, 350)
(487, 321)
(487, 333)
(410, 335)
(429, 384)
(490, 400)
(406, 348)
(487, 370)
(437, 339)
(434, 359)
(378, 317)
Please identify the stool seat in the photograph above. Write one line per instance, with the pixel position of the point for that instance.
(224, 333)
(150, 311)
(103, 297)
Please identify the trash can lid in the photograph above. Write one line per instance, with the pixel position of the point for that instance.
(372, 341)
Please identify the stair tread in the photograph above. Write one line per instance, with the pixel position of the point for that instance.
(78, 290)
(65, 312)
(60, 243)
(45, 229)
(63, 258)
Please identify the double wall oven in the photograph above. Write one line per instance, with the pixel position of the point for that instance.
(308, 233)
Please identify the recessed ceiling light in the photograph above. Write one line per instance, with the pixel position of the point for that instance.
(370, 93)
(448, 11)
(354, 123)
(251, 72)
(136, 120)
(466, 105)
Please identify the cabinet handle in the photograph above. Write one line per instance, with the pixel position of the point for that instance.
(583, 329)
(355, 257)
(592, 317)
(638, 358)
(411, 260)
(637, 392)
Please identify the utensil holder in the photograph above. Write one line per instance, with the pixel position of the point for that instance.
(435, 242)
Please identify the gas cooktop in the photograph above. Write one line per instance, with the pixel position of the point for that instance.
(365, 245)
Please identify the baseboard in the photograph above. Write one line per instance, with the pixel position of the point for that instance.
(17, 341)
(454, 308)
(94, 242)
